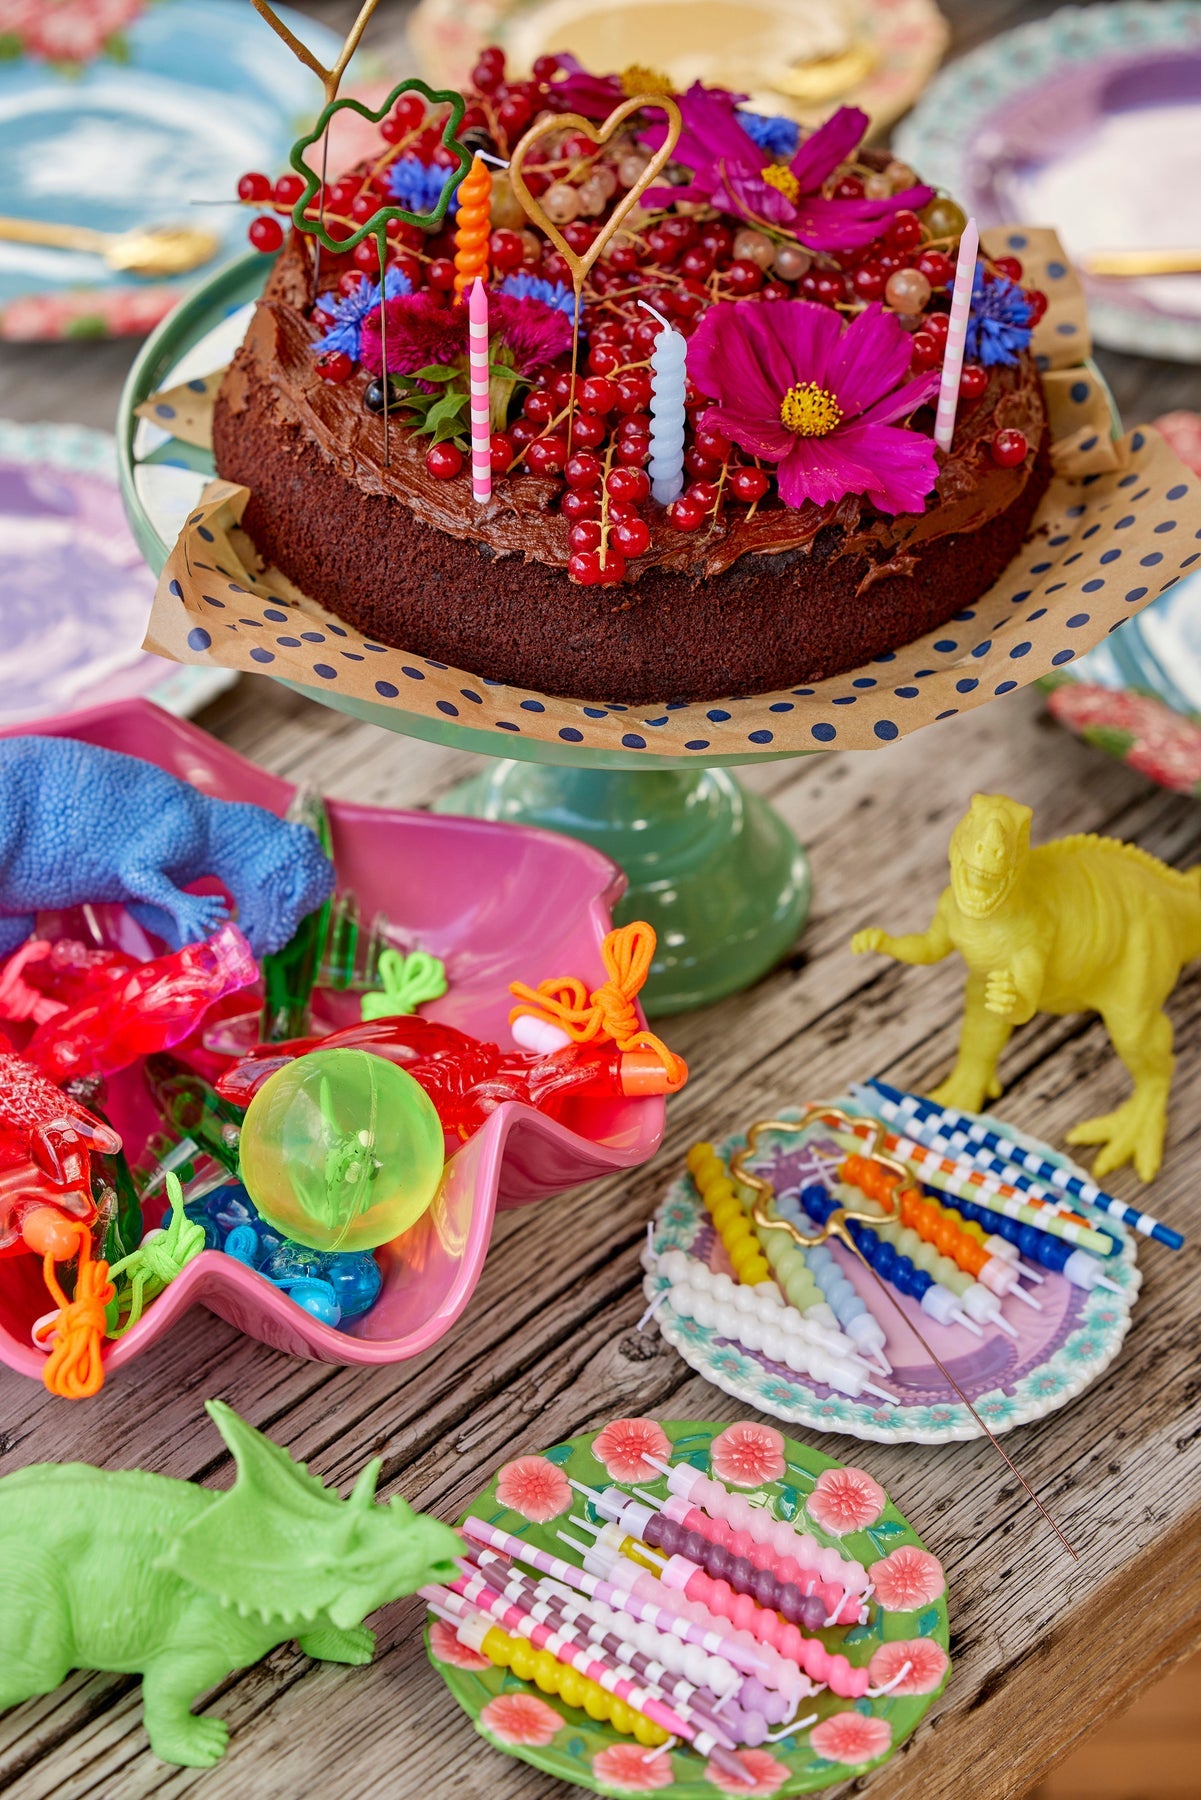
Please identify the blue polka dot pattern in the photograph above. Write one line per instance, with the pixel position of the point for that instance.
(275, 615)
(824, 734)
(886, 731)
(1062, 656)
(1022, 649)
(697, 744)
(413, 674)
(198, 638)
(760, 737)
(1079, 391)
(1005, 687)
(262, 656)
(386, 690)
(570, 735)
(326, 671)
(1077, 620)
(448, 707)
(632, 741)
(532, 706)
(945, 646)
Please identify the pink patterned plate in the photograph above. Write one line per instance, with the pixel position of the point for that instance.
(495, 902)
(1054, 1354)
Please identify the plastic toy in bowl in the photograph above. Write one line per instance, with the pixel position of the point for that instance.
(341, 1150)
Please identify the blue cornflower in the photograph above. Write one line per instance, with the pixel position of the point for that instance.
(417, 187)
(532, 287)
(998, 327)
(349, 311)
(775, 136)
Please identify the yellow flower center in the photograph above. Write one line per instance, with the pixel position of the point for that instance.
(637, 80)
(809, 410)
(783, 180)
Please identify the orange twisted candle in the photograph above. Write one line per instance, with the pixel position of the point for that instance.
(473, 224)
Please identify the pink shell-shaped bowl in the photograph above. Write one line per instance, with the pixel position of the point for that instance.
(495, 902)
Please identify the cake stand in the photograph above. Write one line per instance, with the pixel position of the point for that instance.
(712, 866)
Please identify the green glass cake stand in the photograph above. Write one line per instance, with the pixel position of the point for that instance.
(712, 866)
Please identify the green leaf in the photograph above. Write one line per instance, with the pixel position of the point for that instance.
(435, 372)
(927, 1625)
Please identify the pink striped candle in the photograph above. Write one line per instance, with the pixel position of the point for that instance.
(952, 362)
(477, 371)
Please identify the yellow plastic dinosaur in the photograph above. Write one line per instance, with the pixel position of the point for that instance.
(1082, 924)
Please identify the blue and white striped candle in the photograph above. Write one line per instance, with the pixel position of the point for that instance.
(1003, 1157)
(952, 361)
(477, 374)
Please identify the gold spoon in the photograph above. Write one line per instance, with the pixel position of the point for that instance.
(1142, 262)
(155, 250)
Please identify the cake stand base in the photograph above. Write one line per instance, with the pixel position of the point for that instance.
(712, 867)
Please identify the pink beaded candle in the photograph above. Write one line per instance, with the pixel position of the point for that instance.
(477, 375)
(952, 362)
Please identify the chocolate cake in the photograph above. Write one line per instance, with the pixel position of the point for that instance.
(817, 526)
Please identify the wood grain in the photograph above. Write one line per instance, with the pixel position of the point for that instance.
(548, 1347)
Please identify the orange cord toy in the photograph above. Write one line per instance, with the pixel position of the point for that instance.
(473, 225)
(609, 1012)
(74, 1369)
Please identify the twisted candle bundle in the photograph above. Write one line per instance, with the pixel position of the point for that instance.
(668, 379)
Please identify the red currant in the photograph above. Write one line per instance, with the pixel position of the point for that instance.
(524, 431)
(1009, 448)
(632, 452)
(335, 366)
(409, 267)
(501, 451)
(409, 111)
(604, 359)
(629, 484)
(688, 300)
(849, 188)
(350, 280)
(704, 493)
(686, 514)
(254, 187)
(588, 430)
(1036, 300)
(341, 194)
(560, 387)
(972, 382)
(1009, 266)
(937, 325)
(747, 485)
(505, 250)
(585, 534)
(579, 504)
(937, 268)
(547, 455)
(579, 236)
(713, 444)
(634, 425)
(514, 114)
(697, 262)
(366, 257)
(392, 131)
(266, 234)
(487, 77)
(441, 274)
(867, 281)
(598, 394)
(775, 290)
(698, 465)
(585, 567)
(583, 471)
(540, 405)
(926, 351)
(905, 231)
(444, 461)
(287, 191)
(632, 536)
(743, 278)
(623, 258)
(718, 240)
(545, 67)
(578, 144)
(634, 392)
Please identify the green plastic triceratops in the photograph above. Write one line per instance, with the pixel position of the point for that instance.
(138, 1573)
(1082, 924)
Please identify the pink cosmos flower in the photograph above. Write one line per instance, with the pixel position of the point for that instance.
(521, 1719)
(851, 1737)
(422, 330)
(573, 89)
(632, 1769)
(624, 1445)
(767, 1776)
(731, 172)
(845, 1500)
(748, 1454)
(927, 1661)
(446, 1647)
(535, 1487)
(796, 386)
(907, 1579)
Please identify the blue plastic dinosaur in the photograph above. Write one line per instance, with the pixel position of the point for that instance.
(80, 824)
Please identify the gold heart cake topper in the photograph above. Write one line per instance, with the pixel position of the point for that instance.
(600, 134)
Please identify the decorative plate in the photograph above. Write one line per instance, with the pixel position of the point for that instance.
(116, 114)
(795, 1482)
(494, 902)
(802, 57)
(1057, 1353)
(76, 590)
(1089, 120)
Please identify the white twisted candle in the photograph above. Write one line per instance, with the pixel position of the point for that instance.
(952, 362)
(477, 371)
(666, 466)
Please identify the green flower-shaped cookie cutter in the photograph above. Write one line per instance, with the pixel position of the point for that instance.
(377, 225)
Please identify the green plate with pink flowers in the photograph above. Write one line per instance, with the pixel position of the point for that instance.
(905, 1634)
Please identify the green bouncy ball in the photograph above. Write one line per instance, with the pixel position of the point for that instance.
(341, 1150)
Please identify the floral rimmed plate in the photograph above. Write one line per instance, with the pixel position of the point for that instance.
(1057, 1352)
(532, 1498)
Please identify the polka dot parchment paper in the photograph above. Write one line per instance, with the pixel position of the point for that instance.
(1119, 525)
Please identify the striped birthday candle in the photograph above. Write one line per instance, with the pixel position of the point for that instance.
(952, 362)
(477, 372)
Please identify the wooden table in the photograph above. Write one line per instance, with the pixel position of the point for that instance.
(1043, 1648)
